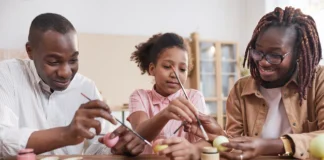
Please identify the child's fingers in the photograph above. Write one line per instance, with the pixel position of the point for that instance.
(172, 141)
(175, 116)
(172, 148)
(189, 105)
(180, 113)
(180, 104)
(187, 127)
(177, 154)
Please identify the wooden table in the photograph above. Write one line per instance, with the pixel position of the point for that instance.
(141, 157)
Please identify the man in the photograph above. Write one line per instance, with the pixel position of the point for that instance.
(41, 105)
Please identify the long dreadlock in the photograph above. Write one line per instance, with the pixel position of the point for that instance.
(308, 47)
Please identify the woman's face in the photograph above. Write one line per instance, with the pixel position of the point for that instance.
(276, 43)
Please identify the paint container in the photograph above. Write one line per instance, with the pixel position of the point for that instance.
(209, 153)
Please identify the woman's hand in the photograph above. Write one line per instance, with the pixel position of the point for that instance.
(249, 148)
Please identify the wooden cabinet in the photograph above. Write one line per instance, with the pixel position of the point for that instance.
(216, 68)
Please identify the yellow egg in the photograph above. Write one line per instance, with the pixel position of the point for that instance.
(316, 146)
(218, 141)
(158, 148)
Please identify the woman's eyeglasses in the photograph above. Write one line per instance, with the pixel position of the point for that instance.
(272, 58)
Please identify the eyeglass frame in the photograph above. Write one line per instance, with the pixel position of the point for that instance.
(263, 55)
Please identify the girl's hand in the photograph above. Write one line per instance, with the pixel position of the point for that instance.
(212, 128)
(180, 149)
(180, 109)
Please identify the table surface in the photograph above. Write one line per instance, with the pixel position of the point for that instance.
(141, 157)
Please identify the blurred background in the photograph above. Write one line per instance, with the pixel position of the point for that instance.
(217, 30)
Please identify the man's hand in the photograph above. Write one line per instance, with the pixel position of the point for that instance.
(128, 144)
(84, 119)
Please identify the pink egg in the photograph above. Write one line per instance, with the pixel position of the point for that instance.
(26, 154)
(110, 142)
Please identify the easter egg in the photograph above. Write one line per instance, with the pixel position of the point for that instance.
(316, 146)
(218, 141)
(157, 146)
(110, 142)
(157, 141)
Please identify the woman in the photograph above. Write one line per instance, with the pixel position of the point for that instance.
(280, 107)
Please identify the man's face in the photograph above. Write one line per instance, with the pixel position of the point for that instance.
(55, 58)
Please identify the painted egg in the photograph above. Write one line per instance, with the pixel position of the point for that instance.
(110, 142)
(157, 146)
(218, 141)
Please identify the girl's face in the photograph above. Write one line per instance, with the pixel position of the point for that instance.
(166, 82)
(275, 42)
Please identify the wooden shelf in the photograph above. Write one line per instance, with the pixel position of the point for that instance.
(229, 60)
(210, 99)
(229, 73)
(215, 115)
(208, 60)
(226, 53)
(208, 73)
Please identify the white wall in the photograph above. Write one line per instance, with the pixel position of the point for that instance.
(213, 19)
(228, 20)
(254, 10)
(316, 10)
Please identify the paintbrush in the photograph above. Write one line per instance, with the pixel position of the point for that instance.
(199, 123)
(139, 136)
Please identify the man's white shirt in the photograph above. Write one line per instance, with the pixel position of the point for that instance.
(28, 105)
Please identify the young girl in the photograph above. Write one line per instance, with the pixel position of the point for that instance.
(280, 107)
(157, 113)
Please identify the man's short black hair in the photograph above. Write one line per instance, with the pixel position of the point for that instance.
(45, 22)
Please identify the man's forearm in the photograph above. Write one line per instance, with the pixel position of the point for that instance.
(47, 140)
